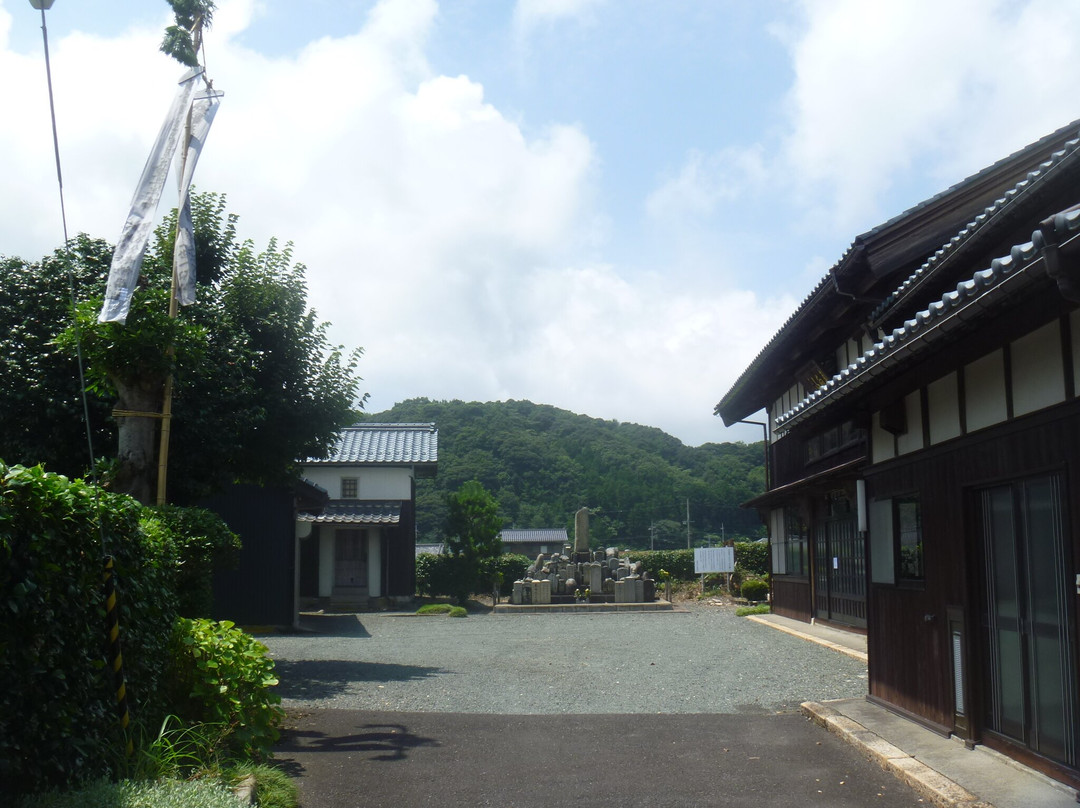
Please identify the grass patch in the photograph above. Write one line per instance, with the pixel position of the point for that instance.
(442, 608)
(761, 608)
(273, 788)
(137, 794)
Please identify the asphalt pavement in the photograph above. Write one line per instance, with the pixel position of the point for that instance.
(348, 758)
(694, 707)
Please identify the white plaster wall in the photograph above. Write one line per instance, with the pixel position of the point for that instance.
(1038, 370)
(984, 391)
(912, 440)
(372, 483)
(326, 562)
(943, 403)
(392, 483)
(882, 443)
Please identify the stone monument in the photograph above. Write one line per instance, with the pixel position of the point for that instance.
(579, 575)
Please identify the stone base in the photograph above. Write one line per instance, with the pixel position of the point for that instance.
(582, 608)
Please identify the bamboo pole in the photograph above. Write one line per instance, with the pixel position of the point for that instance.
(174, 308)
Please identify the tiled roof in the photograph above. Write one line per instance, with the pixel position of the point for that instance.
(528, 536)
(384, 444)
(355, 512)
(807, 310)
(970, 299)
(1063, 157)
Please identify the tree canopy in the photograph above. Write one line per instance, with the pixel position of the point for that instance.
(472, 537)
(541, 464)
(258, 383)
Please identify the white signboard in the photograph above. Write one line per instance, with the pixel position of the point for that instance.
(714, 559)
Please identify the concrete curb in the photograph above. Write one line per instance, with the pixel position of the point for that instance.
(930, 784)
(843, 649)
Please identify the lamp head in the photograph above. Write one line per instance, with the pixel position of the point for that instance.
(41, 5)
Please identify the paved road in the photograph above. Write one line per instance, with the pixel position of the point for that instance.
(349, 758)
(691, 709)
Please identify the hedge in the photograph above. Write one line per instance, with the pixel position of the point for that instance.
(751, 558)
(58, 724)
(435, 574)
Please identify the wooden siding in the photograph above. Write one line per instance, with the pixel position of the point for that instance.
(400, 551)
(791, 597)
(907, 632)
(259, 590)
(788, 459)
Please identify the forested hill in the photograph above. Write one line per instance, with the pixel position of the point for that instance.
(542, 464)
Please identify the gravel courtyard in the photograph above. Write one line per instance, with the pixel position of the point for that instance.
(700, 659)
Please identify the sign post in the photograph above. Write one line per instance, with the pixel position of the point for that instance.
(714, 559)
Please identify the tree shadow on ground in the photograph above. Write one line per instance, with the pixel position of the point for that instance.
(333, 625)
(384, 742)
(322, 678)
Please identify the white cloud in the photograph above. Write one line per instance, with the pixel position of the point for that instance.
(704, 181)
(530, 13)
(881, 87)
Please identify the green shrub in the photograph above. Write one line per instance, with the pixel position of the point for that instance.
(755, 589)
(223, 676)
(57, 720)
(761, 608)
(680, 563)
(199, 541)
(752, 557)
(434, 608)
(438, 575)
(425, 570)
(512, 567)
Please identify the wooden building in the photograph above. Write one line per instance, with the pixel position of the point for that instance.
(360, 547)
(924, 446)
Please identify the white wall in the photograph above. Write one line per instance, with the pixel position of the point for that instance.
(1038, 370)
(984, 391)
(882, 443)
(372, 483)
(943, 404)
(1037, 381)
(912, 439)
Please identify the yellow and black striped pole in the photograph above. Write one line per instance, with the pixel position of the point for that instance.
(114, 658)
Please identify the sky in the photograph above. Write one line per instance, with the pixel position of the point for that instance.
(609, 206)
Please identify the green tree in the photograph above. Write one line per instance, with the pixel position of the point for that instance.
(41, 412)
(258, 384)
(472, 531)
(183, 39)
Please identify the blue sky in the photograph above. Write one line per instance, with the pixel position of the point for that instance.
(605, 205)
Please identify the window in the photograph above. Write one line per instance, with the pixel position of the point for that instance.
(833, 440)
(907, 515)
(348, 488)
(796, 553)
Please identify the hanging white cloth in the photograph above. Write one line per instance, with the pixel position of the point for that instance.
(203, 110)
(131, 246)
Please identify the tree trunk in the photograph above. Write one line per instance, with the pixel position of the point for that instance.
(137, 440)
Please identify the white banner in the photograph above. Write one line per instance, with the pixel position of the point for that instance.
(203, 110)
(131, 247)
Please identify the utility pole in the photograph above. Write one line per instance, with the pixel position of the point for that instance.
(688, 523)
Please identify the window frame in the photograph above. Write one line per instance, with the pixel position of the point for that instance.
(797, 550)
(899, 563)
(348, 483)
